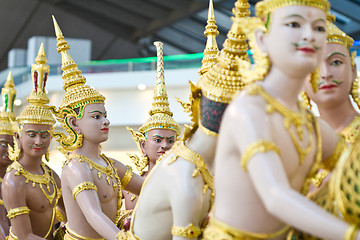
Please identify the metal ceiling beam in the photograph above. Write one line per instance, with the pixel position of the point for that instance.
(112, 11)
(346, 8)
(143, 8)
(105, 23)
(174, 4)
(173, 17)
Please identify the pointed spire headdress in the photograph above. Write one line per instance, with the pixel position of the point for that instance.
(224, 79)
(38, 112)
(160, 113)
(7, 115)
(335, 35)
(77, 94)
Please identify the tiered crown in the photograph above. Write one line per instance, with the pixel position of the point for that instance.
(37, 112)
(211, 49)
(77, 94)
(224, 79)
(7, 115)
(263, 8)
(160, 114)
(335, 35)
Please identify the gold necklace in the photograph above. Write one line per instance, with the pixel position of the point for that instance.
(352, 130)
(44, 179)
(298, 120)
(109, 171)
(186, 153)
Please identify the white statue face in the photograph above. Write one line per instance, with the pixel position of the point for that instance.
(295, 40)
(336, 77)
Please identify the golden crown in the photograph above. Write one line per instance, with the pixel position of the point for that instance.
(37, 112)
(211, 48)
(160, 114)
(335, 35)
(263, 8)
(224, 79)
(7, 115)
(77, 94)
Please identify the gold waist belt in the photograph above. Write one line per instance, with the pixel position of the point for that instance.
(71, 235)
(219, 230)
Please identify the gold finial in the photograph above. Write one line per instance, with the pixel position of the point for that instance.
(160, 114)
(224, 79)
(8, 94)
(7, 115)
(211, 49)
(77, 94)
(37, 112)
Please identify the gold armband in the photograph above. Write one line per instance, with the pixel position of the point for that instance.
(2, 202)
(14, 212)
(189, 232)
(11, 236)
(259, 146)
(351, 232)
(127, 177)
(82, 187)
(319, 177)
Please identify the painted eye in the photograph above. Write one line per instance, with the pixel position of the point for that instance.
(293, 24)
(171, 141)
(336, 63)
(158, 140)
(96, 116)
(3, 144)
(320, 29)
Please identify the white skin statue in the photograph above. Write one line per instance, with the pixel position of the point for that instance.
(267, 196)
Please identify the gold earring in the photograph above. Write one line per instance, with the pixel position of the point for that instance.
(305, 100)
(14, 153)
(315, 78)
(355, 92)
(47, 155)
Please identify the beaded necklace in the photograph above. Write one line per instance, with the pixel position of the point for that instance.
(44, 179)
(109, 171)
(298, 120)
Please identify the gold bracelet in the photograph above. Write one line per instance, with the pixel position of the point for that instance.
(189, 232)
(127, 177)
(11, 236)
(260, 146)
(82, 187)
(2, 202)
(351, 232)
(59, 216)
(122, 235)
(14, 212)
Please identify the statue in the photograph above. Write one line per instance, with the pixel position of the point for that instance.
(338, 81)
(337, 194)
(155, 137)
(32, 190)
(270, 146)
(92, 183)
(178, 193)
(7, 130)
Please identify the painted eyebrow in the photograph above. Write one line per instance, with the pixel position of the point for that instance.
(159, 136)
(3, 140)
(170, 137)
(97, 111)
(334, 53)
(294, 15)
(30, 130)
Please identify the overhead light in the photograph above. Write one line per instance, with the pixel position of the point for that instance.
(17, 102)
(141, 87)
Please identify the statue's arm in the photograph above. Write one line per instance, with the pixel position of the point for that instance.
(271, 183)
(76, 174)
(186, 205)
(4, 224)
(133, 182)
(14, 196)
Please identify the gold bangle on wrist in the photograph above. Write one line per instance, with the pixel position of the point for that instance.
(351, 232)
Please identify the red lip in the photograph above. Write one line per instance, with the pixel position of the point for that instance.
(306, 50)
(328, 86)
(38, 149)
(161, 152)
(104, 129)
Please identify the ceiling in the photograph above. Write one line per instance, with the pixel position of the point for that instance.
(127, 28)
